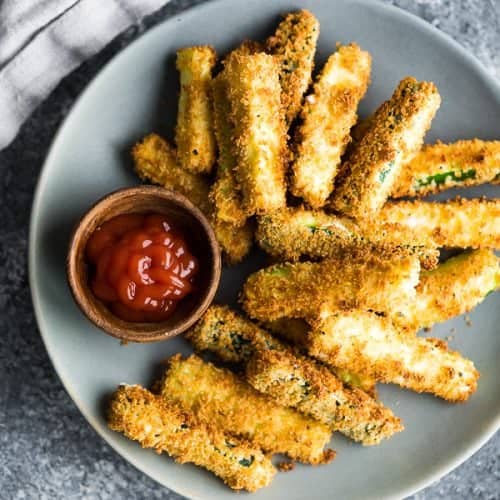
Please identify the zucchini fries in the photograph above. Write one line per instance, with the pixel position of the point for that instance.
(300, 383)
(225, 193)
(293, 45)
(327, 116)
(235, 339)
(455, 287)
(384, 283)
(295, 331)
(291, 233)
(442, 166)
(365, 342)
(218, 396)
(194, 135)
(457, 223)
(259, 131)
(155, 161)
(160, 424)
(394, 136)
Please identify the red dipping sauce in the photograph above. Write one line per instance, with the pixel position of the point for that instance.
(140, 267)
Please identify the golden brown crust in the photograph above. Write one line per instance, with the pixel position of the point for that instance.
(235, 241)
(327, 116)
(220, 398)
(458, 223)
(455, 287)
(225, 193)
(230, 336)
(260, 139)
(384, 283)
(294, 45)
(235, 339)
(292, 233)
(194, 133)
(394, 137)
(299, 382)
(367, 343)
(295, 331)
(155, 161)
(442, 166)
(159, 424)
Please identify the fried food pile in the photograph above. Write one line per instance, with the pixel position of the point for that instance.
(272, 155)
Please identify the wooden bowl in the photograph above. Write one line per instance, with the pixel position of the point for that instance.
(199, 237)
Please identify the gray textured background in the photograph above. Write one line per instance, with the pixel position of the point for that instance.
(47, 449)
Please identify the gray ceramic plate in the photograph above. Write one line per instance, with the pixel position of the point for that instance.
(135, 94)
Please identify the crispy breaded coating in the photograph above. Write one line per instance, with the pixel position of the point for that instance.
(442, 166)
(365, 342)
(160, 424)
(294, 45)
(395, 135)
(457, 223)
(194, 134)
(260, 139)
(219, 397)
(235, 241)
(299, 382)
(365, 280)
(230, 336)
(327, 116)
(295, 331)
(291, 233)
(235, 339)
(225, 193)
(155, 161)
(455, 287)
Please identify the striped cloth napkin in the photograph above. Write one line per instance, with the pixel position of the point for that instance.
(41, 41)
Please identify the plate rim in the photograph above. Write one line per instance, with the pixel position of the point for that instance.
(468, 58)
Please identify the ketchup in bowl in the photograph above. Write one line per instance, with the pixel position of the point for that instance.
(140, 267)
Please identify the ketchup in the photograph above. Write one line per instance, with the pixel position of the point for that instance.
(140, 267)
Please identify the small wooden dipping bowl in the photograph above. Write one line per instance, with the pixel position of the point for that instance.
(199, 237)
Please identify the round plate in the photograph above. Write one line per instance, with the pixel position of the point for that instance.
(135, 94)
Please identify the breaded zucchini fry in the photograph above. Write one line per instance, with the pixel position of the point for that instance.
(225, 193)
(194, 134)
(291, 233)
(295, 331)
(312, 389)
(327, 117)
(364, 280)
(218, 396)
(155, 161)
(160, 424)
(235, 241)
(230, 336)
(454, 287)
(294, 45)
(393, 138)
(235, 339)
(260, 139)
(457, 223)
(441, 166)
(365, 342)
